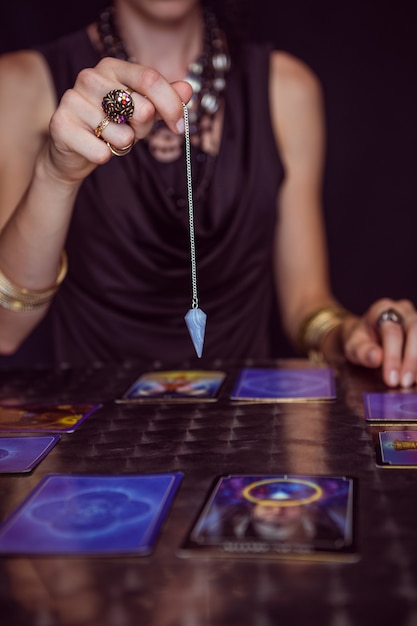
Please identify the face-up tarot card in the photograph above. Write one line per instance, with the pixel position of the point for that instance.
(90, 515)
(397, 448)
(390, 407)
(276, 516)
(55, 418)
(285, 385)
(22, 454)
(176, 385)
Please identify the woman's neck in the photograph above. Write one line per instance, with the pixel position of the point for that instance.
(167, 44)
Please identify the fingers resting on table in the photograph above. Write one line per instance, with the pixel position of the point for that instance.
(386, 337)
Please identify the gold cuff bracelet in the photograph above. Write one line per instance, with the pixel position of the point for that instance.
(317, 325)
(17, 298)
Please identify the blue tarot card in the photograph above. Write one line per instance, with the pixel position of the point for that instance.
(398, 448)
(390, 407)
(22, 454)
(285, 385)
(175, 385)
(276, 516)
(53, 418)
(90, 515)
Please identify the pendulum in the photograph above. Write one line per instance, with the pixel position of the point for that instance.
(195, 318)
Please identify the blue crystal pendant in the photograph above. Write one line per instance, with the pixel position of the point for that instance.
(196, 324)
(195, 318)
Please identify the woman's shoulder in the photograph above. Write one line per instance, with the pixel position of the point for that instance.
(23, 66)
(297, 108)
(25, 85)
(293, 77)
(290, 78)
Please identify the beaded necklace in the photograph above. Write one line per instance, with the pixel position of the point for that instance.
(206, 75)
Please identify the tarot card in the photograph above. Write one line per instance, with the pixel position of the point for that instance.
(397, 448)
(390, 407)
(285, 385)
(175, 385)
(55, 418)
(276, 516)
(22, 454)
(90, 515)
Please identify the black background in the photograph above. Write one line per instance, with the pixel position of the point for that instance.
(365, 56)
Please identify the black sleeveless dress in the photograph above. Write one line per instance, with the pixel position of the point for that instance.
(128, 285)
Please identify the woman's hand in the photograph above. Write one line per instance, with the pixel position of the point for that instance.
(388, 341)
(74, 150)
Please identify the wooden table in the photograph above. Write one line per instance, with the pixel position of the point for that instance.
(203, 441)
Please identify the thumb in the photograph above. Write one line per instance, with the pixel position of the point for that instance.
(361, 346)
(183, 89)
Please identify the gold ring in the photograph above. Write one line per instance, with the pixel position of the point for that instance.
(99, 129)
(120, 151)
(118, 105)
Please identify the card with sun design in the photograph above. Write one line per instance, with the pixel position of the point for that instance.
(276, 517)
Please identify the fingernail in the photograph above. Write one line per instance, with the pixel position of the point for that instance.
(394, 378)
(180, 125)
(407, 379)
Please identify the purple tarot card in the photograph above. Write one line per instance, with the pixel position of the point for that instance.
(86, 514)
(276, 516)
(398, 448)
(22, 454)
(285, 385)
(390, 407)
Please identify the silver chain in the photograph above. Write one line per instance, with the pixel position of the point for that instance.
(194, 299)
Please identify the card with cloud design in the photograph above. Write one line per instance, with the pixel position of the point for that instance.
(90, 515)
(390, 407)
(22, 454)
(284, 385)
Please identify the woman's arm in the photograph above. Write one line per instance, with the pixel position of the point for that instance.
(301, 264)
(33, 214)
(47, 151)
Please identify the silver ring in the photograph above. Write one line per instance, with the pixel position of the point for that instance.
(390, 315)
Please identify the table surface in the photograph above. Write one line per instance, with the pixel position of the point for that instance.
(204, 440)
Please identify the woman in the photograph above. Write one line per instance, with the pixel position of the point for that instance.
(114, 195)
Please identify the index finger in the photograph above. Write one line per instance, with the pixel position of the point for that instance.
(152, 94)
(392, 338)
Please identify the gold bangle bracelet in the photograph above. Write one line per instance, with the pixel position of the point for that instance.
(317, 325)
(18, 299)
